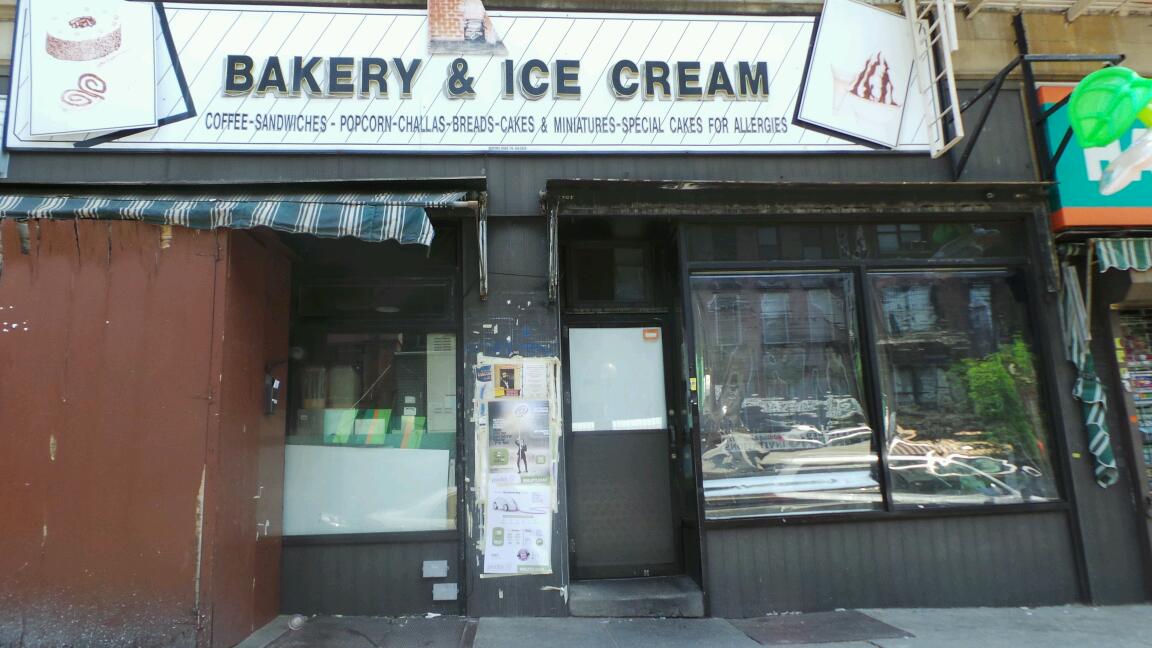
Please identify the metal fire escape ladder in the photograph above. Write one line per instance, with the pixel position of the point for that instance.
(1036, 115)
(934, 39)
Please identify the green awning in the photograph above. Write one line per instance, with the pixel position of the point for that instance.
(384, 216)
(1088, 388)
(1124, 254)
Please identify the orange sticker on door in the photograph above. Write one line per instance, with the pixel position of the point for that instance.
(651, 334)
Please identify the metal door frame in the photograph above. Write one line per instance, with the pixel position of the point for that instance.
(625, 320)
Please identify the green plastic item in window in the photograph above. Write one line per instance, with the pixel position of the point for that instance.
(1107, 103)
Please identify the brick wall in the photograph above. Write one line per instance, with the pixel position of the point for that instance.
(445, 20)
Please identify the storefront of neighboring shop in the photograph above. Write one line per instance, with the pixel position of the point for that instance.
(362, 314)
(1102, 222)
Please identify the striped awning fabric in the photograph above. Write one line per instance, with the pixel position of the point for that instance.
(1088, 388)
(1124, 254)
(373, 217)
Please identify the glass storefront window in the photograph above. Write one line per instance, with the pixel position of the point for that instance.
(785, 408)
(964, 424)
(781, 396)
(372, 433)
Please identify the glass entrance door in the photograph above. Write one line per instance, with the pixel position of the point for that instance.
(620, 502)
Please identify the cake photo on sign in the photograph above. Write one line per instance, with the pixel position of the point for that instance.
(89, 65)
(84, 36)
(868, 91)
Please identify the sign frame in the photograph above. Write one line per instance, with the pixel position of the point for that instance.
(114, 141)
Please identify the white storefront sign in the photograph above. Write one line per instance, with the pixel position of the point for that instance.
(304, 79)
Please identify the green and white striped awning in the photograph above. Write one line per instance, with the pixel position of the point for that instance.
(1124, 254)
(384, 216)
(1088, 388)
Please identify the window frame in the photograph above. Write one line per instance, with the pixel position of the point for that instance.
(650, 260)
(1045, 354)
(450, 321)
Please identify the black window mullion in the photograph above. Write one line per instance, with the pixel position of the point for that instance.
(872, 382)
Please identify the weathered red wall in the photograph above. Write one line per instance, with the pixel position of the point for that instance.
(116, 407)
(250, 463)
(99, 543)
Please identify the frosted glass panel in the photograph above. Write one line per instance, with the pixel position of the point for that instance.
(617, 379)
(334, 489)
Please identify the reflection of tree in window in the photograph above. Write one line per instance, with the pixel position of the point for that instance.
(967, 423)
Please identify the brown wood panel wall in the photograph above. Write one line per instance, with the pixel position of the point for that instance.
(247, 481)
(104, 388)
(991, 560)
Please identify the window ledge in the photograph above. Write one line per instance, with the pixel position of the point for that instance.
(395, 537)
(882, 516)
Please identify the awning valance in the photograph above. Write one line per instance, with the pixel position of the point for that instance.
(1124, 254)
(380, 216)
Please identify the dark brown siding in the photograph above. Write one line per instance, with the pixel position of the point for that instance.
(991, 560)
(379, 579)
(99, 543)
(248, 480)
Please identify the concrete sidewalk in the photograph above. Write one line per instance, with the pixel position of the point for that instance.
(1073, 626)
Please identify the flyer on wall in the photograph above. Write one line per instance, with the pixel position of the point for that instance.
(509, 383)
(518, 538)
(519, 441)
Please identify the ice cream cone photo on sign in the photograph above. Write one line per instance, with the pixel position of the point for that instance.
(858, 73)
(867, 93)
(93, 65)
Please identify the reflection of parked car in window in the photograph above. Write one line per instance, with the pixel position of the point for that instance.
(777, 415)
(959, 479)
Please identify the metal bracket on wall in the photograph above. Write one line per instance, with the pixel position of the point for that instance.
(482, 241)
(1024, 61)
(553, 210)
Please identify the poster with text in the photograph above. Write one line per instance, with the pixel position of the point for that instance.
(92, 61)
(519, 441)
(518, 538)
(859, 73)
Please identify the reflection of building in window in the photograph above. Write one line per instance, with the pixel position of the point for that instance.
(908, 309)
(822, 319)
(725, 309)
(981, 326)
(825, 321)
(769, 242)
(774, 317)
(904, 237)
(920, 385)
